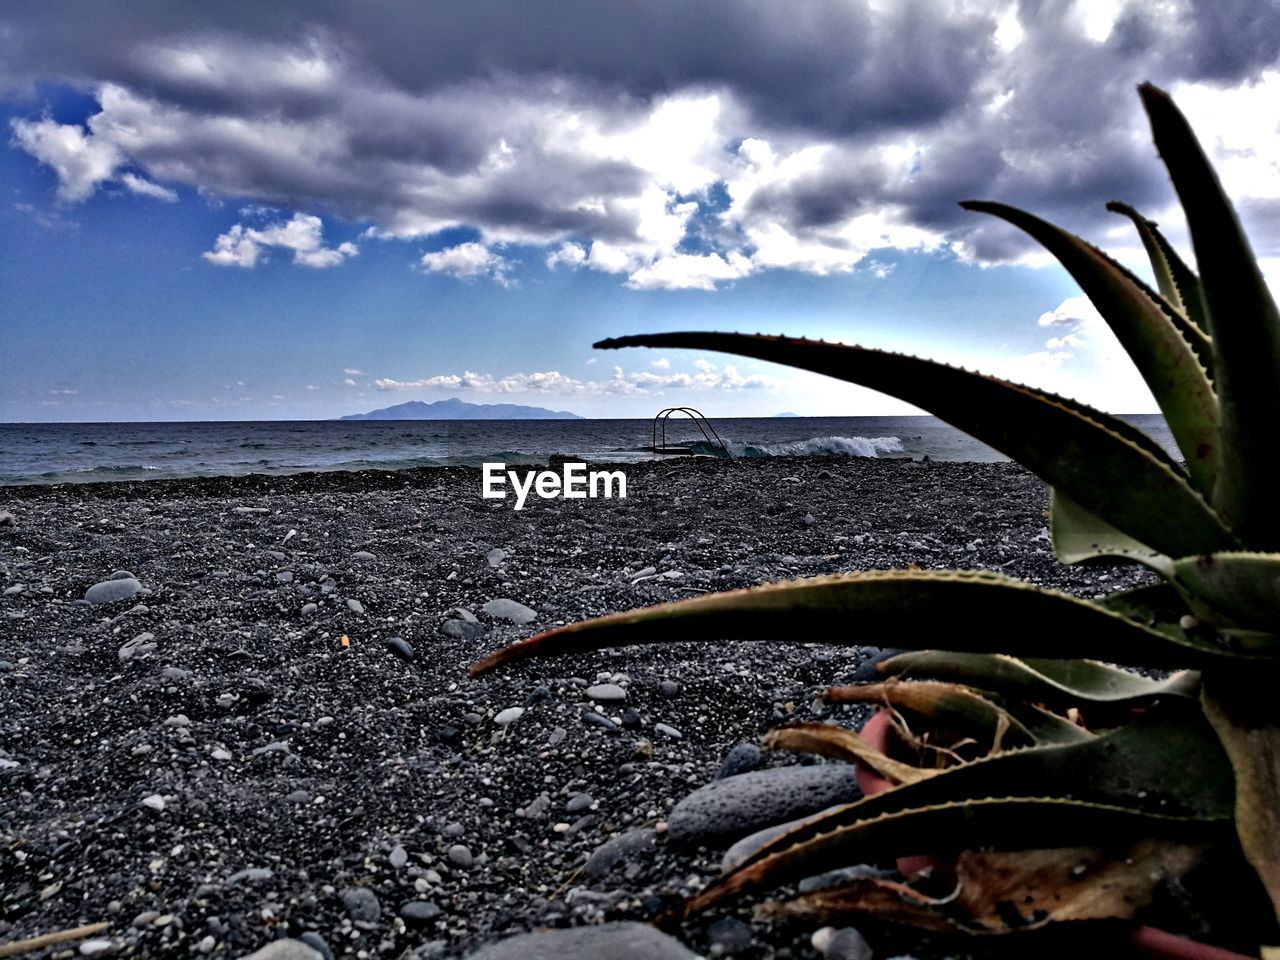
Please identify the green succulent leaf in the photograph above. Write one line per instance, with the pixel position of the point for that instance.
(1177, 282)
(1101, 462)
(972, 612)
(1079, 536)
(1165, 775)
(1058, 683)
(1246, 331)
(1243, 586)
(1164, 345)
(1152, 603)
(1241, 709)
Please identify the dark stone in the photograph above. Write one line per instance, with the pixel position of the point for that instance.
(462, 630)
(419, 912)
(593, 719)
(742, 758)
(400, 647)
(730, 934)
(538, 695)
(361, 903)
(316, 943)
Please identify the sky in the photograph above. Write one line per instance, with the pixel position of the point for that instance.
(302, 210)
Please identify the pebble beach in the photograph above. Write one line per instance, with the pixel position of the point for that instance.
(235, 710)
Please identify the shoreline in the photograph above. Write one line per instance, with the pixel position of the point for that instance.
(290, 769)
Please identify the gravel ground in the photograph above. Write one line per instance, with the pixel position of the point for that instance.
(235, 775)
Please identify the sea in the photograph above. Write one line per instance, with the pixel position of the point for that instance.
(43, 453)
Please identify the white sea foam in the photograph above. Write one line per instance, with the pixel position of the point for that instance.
(812, 447)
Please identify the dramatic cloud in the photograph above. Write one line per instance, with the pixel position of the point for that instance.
(467, 261)
(619, 383)
(679, 146)
(242, 246)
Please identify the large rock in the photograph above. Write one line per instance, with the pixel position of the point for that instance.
(614, 941)
(284, 950)
(736, 806)
(505, 609)
(110, 591)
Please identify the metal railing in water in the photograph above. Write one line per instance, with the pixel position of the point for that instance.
(701, 422)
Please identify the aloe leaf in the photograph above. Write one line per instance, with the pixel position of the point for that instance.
(998, 823)
(1243, 586)
(1003, 892)
(1241, 710)
(1152, 603)
(1079, 536)
(966, 611)
(1164, 775)
(829, 740)
(1177, 282)
(1101, 462)
(1060, 683)
(951, 706)
(1246, 331)
(1163, 344)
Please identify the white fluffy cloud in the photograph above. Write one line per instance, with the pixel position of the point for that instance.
(81, 159)
(619, 382)
(685, 271)
(302, 234)
(467, 261)
(1083, 360)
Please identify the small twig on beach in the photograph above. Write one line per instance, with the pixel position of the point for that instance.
(572, 877)
(49, 939)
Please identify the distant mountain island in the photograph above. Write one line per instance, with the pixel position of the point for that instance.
(455, 409)
(786, 414)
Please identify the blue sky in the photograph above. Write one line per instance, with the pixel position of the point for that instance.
(238, 220)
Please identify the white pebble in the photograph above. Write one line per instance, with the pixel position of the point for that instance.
(509, 715)
(155, 802)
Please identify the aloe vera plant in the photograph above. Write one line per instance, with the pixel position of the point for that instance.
(1171, 771)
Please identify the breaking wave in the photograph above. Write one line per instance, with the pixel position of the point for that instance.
(813, 447)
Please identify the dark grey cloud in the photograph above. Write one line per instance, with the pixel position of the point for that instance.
(605, 122)
(827, 64)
